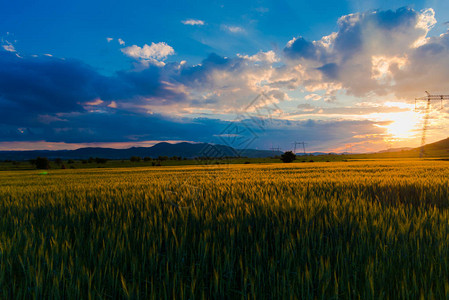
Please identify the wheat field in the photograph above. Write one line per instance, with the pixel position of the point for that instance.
(348, 230)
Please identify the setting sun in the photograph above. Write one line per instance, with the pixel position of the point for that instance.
(403, 125)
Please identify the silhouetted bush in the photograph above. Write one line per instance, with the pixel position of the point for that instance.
(99, 160)
(135, 158)
(58, 161)
(70, 161)
(288, 157)
(42, 163)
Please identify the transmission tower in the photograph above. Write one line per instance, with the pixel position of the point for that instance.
(275, 149)
(349, 147)
(428, 98)
(300, 143)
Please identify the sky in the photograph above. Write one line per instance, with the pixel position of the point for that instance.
(337, 75)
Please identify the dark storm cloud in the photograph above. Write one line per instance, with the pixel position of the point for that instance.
(115, 127)
(33, 86)
(43, 85)
(45, 98)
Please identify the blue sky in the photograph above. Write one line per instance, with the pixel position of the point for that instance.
(109, 73)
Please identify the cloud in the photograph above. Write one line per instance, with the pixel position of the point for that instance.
(267, 57)
(121, 42)
(153, 54)
(232, 29)
(225, 84)
(370, 55)
(109, 39)
(262, 10)
(9, 48)
(35, 86)
(300, 48)
(32, 86)
(375, 52)
(314, 97)
(193, 22)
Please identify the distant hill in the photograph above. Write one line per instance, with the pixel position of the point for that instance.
(438, 149)
(440, 145)
(188, 150)
(395, 150)
(315, 153)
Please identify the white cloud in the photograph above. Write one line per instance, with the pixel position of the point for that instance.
(9, 48)
(113, 104)
(268, 57)
(314, 97)
(6, 45)
(155, 53)
(426, 21)
(95, 102)
(193, 22)
(232, 29)
(109, 39)
(262, 10)
(121, 42)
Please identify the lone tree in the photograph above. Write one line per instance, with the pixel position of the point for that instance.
(135, 158)
(288, 157)
(42, 163)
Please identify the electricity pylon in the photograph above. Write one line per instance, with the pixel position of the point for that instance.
(428, 98)
(300, 143)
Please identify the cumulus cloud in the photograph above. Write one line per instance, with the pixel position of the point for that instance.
(109, 39)
(155, 53)
(121, 42)
(225, 84)
(376, 52)
(193, 22)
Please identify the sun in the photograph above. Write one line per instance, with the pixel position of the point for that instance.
(403, 125)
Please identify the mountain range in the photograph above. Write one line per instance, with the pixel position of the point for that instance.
(190, 150)
(184, 149)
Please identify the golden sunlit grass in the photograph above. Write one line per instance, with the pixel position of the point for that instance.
(360, 230)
